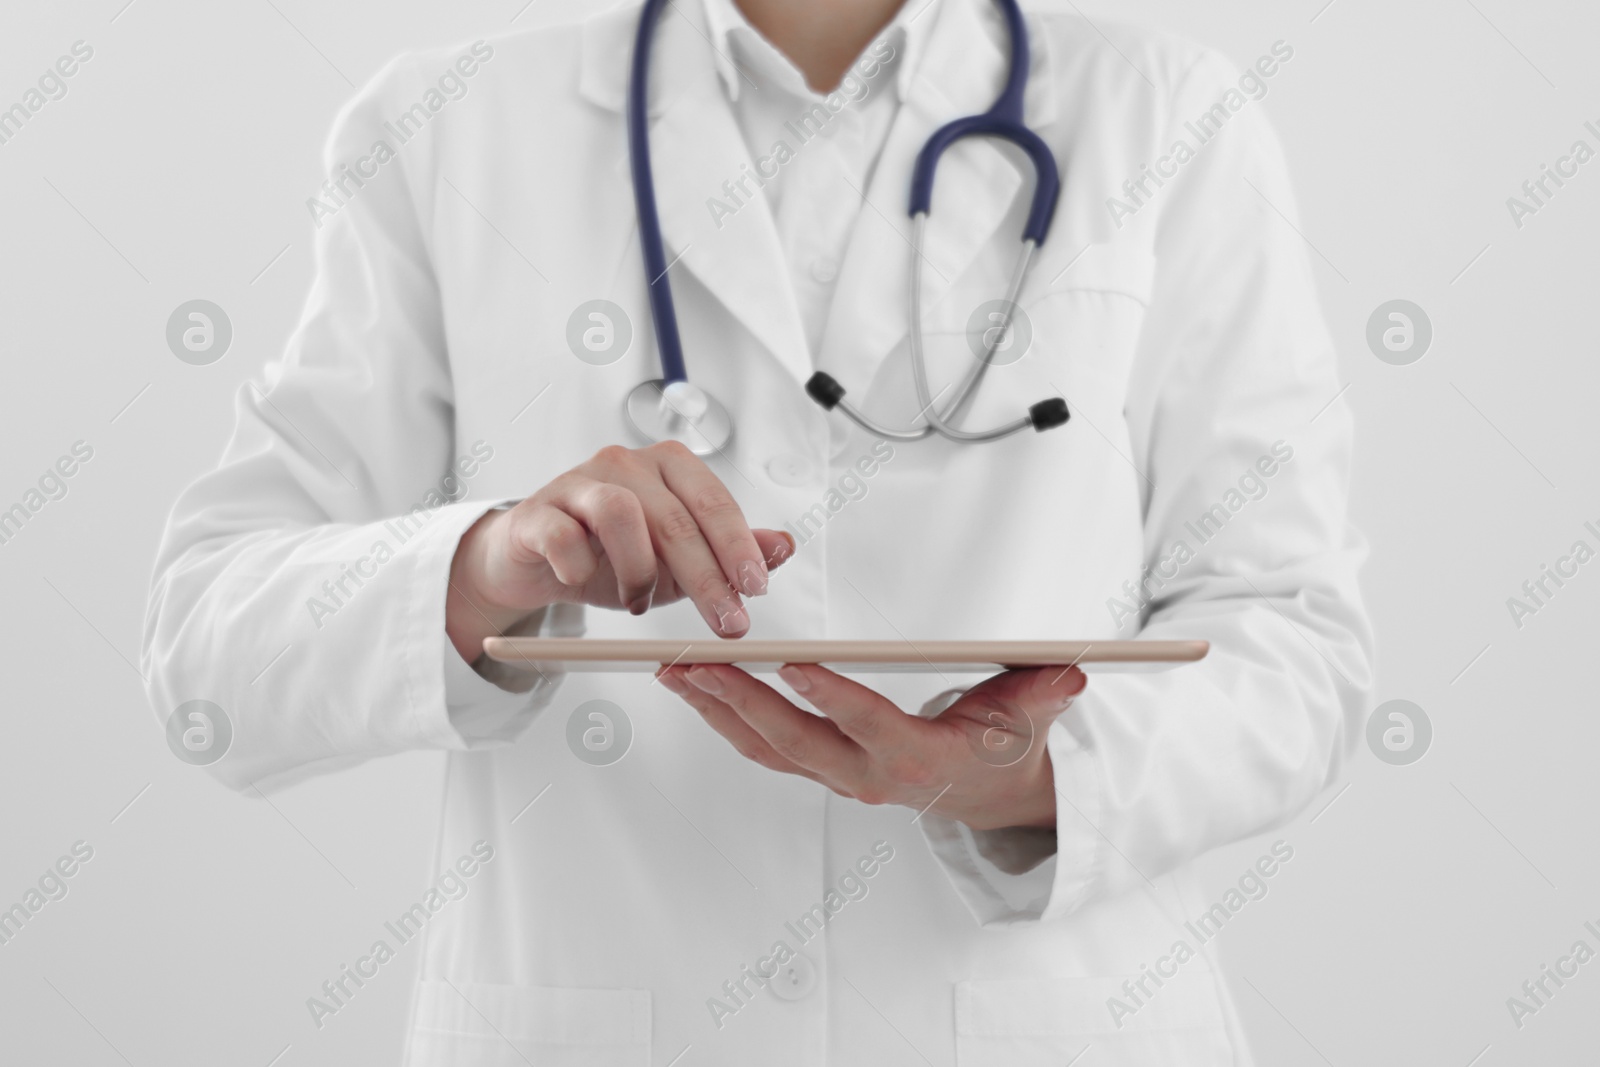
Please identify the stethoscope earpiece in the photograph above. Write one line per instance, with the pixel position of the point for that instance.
(1048, 414)
(822, 388)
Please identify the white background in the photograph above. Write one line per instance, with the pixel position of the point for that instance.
(178, 166)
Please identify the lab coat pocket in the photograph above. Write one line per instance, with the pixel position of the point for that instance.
(1028, 1023)
(1120, 267)
(1087, 324)
(474, 1024)
(1074, 333)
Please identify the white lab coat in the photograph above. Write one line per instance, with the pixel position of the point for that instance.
(1188, 342)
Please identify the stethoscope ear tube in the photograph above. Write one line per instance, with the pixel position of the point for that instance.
(1003, 120)
(822, 387)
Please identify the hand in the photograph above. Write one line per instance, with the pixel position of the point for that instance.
(628, 528)
(982, 761)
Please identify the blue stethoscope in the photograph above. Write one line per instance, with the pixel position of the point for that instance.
(670, 408)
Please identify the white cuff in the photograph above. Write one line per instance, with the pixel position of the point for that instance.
(491, 701)
(1020, 875)
(457, 708)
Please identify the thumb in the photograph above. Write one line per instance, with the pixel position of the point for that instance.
(1009, 712)
(1041, 693)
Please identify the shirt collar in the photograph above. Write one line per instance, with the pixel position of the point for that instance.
(733, 38)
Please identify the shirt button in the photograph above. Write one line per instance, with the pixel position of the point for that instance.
(789, 470)
(824, 270)
(795, 979)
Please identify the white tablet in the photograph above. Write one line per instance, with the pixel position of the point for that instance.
(585, 655)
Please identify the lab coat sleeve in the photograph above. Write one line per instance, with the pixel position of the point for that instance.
(300, 585)
(1235, 376)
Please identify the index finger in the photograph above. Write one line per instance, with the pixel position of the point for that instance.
(867, 717)
(719, 517)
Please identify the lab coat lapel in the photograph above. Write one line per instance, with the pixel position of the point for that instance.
(728, 243)
(977, 183)
(698, 148)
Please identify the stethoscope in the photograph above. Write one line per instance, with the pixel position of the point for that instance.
(670, 408)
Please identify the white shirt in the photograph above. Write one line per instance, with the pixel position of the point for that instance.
(815, 194)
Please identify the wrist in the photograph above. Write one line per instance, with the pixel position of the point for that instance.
(1031, 806)
(473, 611)
(1040, 810)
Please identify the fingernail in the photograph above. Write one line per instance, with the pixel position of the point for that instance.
(1072, 680)
(731, 616)
(640, 605)
(705, 680)
(783, 551)
(795, 677)
(673, 682)
(752, 578)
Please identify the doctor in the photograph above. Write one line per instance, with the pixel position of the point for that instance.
(815, 870)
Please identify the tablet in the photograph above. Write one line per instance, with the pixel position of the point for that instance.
(585, 655)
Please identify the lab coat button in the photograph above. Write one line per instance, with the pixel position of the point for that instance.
(824, 270)
(789, 470)
(795, 979)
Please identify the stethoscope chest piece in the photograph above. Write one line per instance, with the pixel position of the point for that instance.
(679, 412)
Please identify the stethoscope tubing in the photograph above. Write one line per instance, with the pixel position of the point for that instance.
(1003, 120)
(663, 311)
